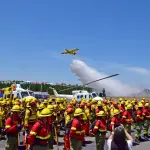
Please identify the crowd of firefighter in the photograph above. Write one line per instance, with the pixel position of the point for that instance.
(40, 122)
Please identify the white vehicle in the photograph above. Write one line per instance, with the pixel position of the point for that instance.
(17, 92)
(78, 95)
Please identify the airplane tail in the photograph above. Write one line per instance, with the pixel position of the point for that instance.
(55, 92)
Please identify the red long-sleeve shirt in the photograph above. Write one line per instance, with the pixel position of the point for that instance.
(114, 121)
(139, 116)
(127, 117)
(39, 134)
(77, 130)
(122, 110)
(100, 126)
(11, 126)
(146, 113)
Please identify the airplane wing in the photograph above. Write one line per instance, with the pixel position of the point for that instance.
(74, 50)
(64, 53)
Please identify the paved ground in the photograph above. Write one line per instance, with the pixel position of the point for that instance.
(91, 145)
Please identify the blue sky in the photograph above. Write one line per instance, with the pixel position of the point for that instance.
(113, 36)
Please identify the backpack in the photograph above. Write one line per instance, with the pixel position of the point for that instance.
(69, 124)
(68, 127)
(92, 126)
(93, 115)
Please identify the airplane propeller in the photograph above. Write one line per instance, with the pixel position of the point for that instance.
(91, 82)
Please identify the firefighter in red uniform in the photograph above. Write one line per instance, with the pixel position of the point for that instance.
(77, 130)
(127, 118)
(100, 130)
(13, 127)
(122, 107)
(30, 116)
(139, 123)
(115, 120)
(51, 123)
(40, 132)
(84, 119)
(146, 114)
(88, 112)
(99, 107)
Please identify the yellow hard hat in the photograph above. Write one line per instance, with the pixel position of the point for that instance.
(101, 113)
(90, 99)
(23, 100)
(116, 112)
(45, 101)
(122, 102)
(50, 101)
(40, 100)
(94, 101)
(120, 99)
(133, 101)
(99, 103)
(78, 112)
(140, 105)
(129, 107)
(61, 99)
(73, 99)
(82, 99)
(8, 102)
(58, 100)
(126, 103)
(41, 106)
(55, 106)
(147, 105)
(15, 108)
(15, 97)
(87, 101)
(4, 102)
(50, 107)
(34, 99)
(45, 113)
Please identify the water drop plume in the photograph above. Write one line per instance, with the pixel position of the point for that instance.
(112, 86)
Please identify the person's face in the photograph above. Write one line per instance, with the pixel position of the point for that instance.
(118, 116)
(80, 117)
(33, 106)
(49, 118)
(16, 114)
(45, 119)
(103, 118)
(130, 110)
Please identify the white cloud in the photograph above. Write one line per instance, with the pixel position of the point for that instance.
(139, 70)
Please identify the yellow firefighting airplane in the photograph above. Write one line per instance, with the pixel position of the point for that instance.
(72, 52)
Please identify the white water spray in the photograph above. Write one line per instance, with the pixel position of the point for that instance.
(113, 87)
